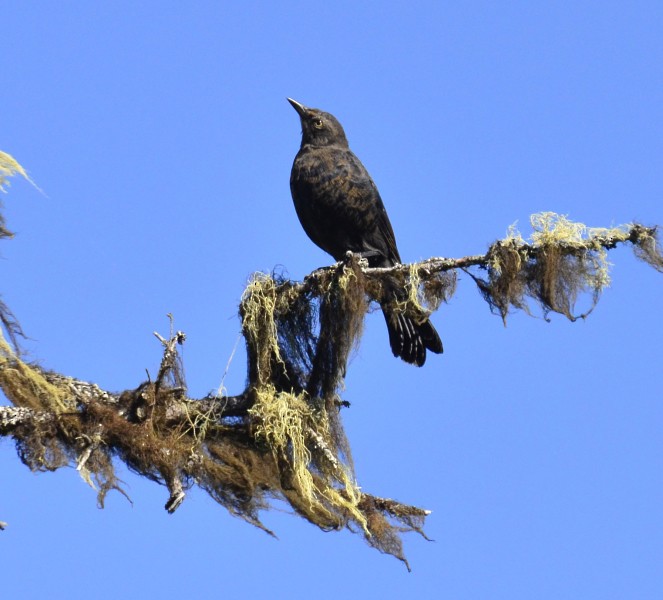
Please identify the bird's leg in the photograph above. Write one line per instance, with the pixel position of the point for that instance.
(364, 257)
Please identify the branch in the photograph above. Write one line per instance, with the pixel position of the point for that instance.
(13, 417)
(282, 437)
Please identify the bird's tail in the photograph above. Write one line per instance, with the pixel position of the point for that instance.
(410, 340)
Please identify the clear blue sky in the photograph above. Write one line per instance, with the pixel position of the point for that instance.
(160, 134)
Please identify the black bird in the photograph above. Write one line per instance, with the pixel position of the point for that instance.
(340, 209)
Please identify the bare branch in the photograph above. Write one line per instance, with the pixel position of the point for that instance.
(12, 417)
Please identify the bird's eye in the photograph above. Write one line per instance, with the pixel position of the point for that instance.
(318, 124)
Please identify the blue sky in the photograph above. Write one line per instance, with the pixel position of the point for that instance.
(160, 134)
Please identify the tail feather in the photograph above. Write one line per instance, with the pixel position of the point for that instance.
(410, 340)
(430, 337)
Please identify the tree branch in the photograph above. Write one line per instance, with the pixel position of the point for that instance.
(282, 437)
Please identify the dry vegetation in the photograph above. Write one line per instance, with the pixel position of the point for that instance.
(282, 438)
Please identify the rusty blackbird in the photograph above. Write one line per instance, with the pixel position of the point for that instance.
(340, 209)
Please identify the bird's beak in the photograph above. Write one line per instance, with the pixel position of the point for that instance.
(300, 108)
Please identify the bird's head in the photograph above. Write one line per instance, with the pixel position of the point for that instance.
(318, 127)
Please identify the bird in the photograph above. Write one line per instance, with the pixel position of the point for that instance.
(340, 209)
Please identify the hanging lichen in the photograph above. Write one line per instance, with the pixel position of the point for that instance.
(562, 261)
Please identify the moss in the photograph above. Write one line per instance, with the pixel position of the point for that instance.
(27, 387)
(9, 167)
(562, 261)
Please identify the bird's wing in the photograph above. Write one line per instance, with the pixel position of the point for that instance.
(364, 193)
